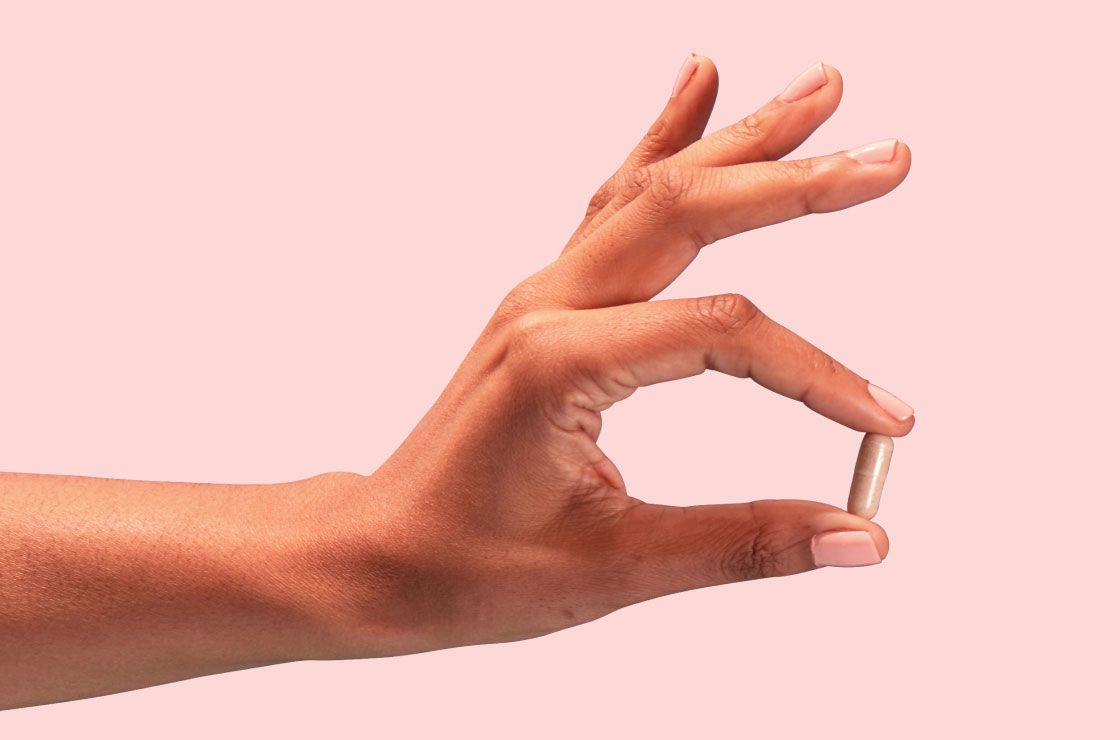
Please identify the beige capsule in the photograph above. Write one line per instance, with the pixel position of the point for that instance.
(872, 463)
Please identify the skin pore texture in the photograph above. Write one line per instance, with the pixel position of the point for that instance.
(498, 518)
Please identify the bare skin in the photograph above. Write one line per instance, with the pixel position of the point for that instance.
(498, 518)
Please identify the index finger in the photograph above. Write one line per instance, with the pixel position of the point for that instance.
(640, 344)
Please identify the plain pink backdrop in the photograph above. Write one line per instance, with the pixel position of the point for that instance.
(251, 242)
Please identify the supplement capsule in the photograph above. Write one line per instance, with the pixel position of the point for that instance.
(871, 473)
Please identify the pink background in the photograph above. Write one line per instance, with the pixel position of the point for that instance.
(251, 241)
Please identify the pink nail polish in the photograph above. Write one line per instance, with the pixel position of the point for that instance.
(845, 549)
(890, 403)
(687, 70)
(808, 81)
(877, 153)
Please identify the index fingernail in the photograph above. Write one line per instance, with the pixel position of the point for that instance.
(890, 403)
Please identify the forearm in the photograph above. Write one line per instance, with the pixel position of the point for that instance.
(107, 585)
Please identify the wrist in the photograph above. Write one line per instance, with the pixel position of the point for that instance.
(352, 570)
(295, 560)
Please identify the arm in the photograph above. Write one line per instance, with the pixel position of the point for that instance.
(108, 585)
(499, 518)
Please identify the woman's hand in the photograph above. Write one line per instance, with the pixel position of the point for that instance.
(499, 518)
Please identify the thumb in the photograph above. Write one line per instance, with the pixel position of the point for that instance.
(681, 548)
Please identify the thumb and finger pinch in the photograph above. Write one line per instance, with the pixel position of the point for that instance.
(679, 548)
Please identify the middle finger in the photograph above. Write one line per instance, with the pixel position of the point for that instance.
(652, 240)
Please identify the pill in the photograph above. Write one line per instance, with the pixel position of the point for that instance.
(871, 473)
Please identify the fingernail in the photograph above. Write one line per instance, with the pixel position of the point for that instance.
(808, 81)
(893, 405)
(877, 153)
(687, 70)
(845, 549)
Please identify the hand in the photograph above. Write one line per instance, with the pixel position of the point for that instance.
(499, 518)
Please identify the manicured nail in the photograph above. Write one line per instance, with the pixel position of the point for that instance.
(687, 70)
(808, 81)
(877, 153)
(845, 549)
(890, 403)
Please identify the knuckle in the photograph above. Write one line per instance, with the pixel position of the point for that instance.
(751, 560)
(754, 554)
(667, 187)
(728, 313)
(826, 365)
(801, 169)
(622, 188)
(635, 182)
(601, 198)
(657, 138)
(534, 291)
(746, 131)
(515, 303)
(531, 336)
(511, 305)
(803, 174)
